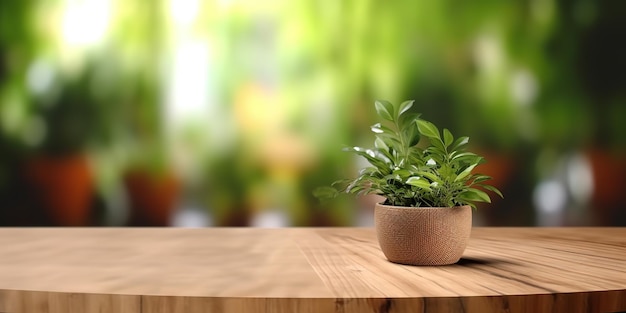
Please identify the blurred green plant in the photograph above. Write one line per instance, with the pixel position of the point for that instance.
(228, 180)
(438, 175)
(75, 115)
(336, 211)
(144, 124)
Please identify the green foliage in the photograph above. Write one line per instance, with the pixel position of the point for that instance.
(76, 116)
(437, 175)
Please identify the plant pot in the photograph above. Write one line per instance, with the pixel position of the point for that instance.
(234, 217)
(609, 178)
(423, 236)
(63, 186)
(500, 166)
(152, 197)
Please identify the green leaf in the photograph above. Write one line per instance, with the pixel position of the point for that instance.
(384, 109)
(431, 176)
(368, 171)
(372, 158)
(379, 143)
(465, 173)
(374, 191)
(428, 129)
(438, 144)
(417, 153)
(356, 189)
(463, 155)
(386, 134)
(493, 189)
(411, 135)
(459, 142)
(447, 137)
(473, 194)
(413, 159)
(381, 129)
(404, 106)
(402, 173)
(393, 176)
(437, 157)
(376, 129)
(469, 159)
(391, 141)
(419, 182)
(480, 178)
(387, 154)
(408, 120)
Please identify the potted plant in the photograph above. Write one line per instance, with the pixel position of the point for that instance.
(153, 189)
(152, 184)
(59, 172)
(430, 188)
(326, 213)
(229, 177)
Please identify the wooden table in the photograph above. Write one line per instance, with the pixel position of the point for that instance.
(305, 270)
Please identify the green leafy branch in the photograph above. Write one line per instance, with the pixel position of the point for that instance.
(439, 175)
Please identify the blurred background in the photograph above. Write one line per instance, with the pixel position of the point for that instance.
(231, 112)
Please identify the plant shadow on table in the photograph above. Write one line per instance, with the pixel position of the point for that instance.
(479, 261)
(472, 262)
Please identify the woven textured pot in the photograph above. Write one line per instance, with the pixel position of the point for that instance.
(423, 236)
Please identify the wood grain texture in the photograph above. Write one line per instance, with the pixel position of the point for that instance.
(45, 270)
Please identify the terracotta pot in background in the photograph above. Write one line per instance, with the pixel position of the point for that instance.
(320, 219)
(499, 166)
(423, 236)
(64, 187)
(234, 217)
(609, 178)
(152, 197)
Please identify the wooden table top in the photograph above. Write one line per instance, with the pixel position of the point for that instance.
(305, 270)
